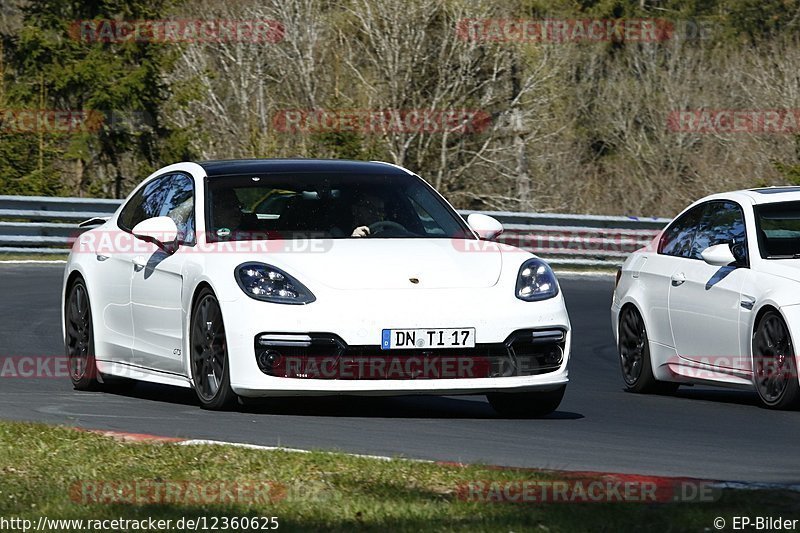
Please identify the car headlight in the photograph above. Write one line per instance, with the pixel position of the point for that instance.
(270, 284)
(536, 281)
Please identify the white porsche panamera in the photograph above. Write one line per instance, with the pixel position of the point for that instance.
(715, 298)
(311, 277)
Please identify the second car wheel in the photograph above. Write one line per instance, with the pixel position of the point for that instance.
(774, 368)
(209, 354)
(634, 355)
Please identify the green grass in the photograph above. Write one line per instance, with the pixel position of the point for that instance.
(40, 464)
(32, 257)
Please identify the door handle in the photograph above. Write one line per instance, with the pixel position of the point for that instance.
(678, 279)
(139, 263)
(101, 257)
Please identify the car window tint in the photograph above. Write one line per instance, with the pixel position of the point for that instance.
(146, 203)
(778, 227)
(722, 222)
(329, 205)
(678, 237)
(179, 206)
(171, 195)
(427, 223)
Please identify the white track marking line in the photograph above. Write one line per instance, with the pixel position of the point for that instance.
(202, 442)
(33, 262)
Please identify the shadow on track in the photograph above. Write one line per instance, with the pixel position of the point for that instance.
(426, 407)
(700, 393)
(729, 396)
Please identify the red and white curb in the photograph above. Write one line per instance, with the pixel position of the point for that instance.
(631, 478)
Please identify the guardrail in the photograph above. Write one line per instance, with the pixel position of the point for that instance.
(44, 225)
(581, 240)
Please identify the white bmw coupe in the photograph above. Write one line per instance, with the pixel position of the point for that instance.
(309, 277)
(715, 299)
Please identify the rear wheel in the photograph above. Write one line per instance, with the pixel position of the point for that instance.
(634, 356)
(79, 338)
(774, 368)
(209, 354)
(526, 404)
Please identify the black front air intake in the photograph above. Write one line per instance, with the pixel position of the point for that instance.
(327, 356)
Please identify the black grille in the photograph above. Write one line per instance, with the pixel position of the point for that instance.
(327, 356)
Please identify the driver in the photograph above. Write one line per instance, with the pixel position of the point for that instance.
(227, 212)
(368, 210)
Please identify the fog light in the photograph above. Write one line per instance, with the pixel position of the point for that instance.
(267, 359)
(554, 356)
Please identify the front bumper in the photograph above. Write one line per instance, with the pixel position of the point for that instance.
(358, 323)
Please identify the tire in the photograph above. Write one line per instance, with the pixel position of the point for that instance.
(774, 363)
(634, 356)
(209, 354)
(79, 338)
(526, 404)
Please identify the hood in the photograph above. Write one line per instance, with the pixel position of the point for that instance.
(391, 263)
(783, 268)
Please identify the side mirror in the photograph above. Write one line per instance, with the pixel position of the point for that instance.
(485, 226)
(161, 231)
(718, 255)
(739, 251)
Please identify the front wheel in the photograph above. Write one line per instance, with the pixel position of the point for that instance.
(79, 339)
(634, 356)
(526, 404)
(209, 354)
(774, 368)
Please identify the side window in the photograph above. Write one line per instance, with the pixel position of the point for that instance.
(171, 195)
(179, 206)
(146, 203)
(426, 221)
(722, 222)
(678, 237)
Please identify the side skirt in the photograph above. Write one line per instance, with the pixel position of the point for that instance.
(143, 374)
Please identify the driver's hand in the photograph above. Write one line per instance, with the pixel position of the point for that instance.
(361, 231)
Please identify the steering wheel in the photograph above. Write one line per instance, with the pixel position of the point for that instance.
(383, 225)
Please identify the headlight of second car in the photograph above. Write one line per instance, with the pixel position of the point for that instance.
(536, 281)
(271, 284)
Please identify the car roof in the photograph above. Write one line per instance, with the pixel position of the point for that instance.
(238, 167)
(767, 195)
(760, 195)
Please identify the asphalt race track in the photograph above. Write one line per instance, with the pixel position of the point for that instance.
(701, 432)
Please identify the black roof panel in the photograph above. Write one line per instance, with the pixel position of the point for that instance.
(234, 167)
(776, 190)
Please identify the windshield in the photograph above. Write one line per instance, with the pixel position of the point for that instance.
(778, 230)
(330, 205)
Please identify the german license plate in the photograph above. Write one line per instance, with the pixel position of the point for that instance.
(407, 339)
